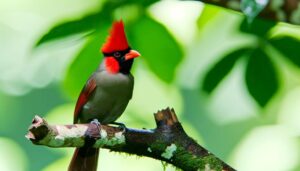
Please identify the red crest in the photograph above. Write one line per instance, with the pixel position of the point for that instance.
(116, 41)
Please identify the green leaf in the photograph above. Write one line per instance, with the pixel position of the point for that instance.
(208, 13)
(251, 8)
(289, 47)
(258, 27)
(261, 78)
(157, 46)
(216, 74)
(87, 23)
(85, 63)
(90, 22)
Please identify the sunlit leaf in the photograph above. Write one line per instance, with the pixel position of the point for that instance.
(209, 12)
(87, 23)
(85, 63)
(215, 75)
(157, 47)
(251, 8)
(261, 78)
(289, 47)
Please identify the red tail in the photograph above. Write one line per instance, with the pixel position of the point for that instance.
(84, 159)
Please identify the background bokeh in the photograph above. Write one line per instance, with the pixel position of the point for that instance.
(234, 85)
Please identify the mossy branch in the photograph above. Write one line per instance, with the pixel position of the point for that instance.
(167, 142)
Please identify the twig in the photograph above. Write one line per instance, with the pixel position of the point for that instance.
(167, 142)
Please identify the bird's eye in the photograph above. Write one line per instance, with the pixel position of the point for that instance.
(117, 54)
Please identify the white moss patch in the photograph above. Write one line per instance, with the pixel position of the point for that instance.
(103, 133)
(63, 135)
(71, 132)
(50, 140)
(103, 140)
(75, 133)
(118, 138)
(207, 168)
(169, 151)
(149, 149)
(58, 140)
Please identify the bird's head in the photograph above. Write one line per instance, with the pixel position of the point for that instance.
(118, 54)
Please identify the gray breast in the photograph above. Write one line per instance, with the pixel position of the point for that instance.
(110, 97)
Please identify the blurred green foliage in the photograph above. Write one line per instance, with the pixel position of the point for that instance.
(288, 46)
(149, 44)
(84, 64)
(252, 8)
(261, 77)
(222, 68)
(247, 69)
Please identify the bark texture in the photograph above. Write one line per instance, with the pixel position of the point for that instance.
(168, 142)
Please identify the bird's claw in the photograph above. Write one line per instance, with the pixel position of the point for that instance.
(96, 122)
(121, 125)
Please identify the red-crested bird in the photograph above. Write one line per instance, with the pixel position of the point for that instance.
(106, 93)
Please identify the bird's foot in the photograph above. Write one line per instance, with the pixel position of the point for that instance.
(121, 125)
(97, 123)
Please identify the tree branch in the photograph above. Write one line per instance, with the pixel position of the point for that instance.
(277, 10)
(167, 142)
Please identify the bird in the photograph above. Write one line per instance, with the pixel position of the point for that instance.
(106, 93)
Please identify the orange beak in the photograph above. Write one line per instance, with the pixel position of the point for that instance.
(132, 54)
